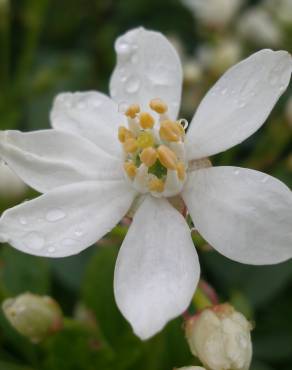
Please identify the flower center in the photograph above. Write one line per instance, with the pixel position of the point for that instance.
(154, 153)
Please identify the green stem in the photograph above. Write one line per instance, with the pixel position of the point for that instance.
(4, 42)
(200, 300)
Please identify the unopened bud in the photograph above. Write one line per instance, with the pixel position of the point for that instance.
(33, 316)
(220, 338)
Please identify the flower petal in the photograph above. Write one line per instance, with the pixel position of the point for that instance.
(239, 103)
(157, 269)
(49, 158)
(245, 214)
(66, 220)
(147, 67)
(92, 115)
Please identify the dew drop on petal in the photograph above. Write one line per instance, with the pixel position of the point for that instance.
(123, 48)
(68, 242)
(34, 240)
(265, 179)
(51, 249)
(236, 172)
(55, 215)
(78, 233)
(132, 85)
(23, 221)
(122, 107)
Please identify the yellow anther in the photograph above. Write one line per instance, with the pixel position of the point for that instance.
(169, 131)
(146, 120)
(158, 106)
(130, 169)
(181, 171)
(132, 110)
(130, 145)
(167, 157)
(145, 139)
(156, 185)
(124, 134)
(148, 156)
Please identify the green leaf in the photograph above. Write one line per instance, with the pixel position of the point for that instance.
(21, 272)
(11, 366)
(97, 293)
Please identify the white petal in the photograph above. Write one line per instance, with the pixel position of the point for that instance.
(49, 158)
(245, 214)
(92, 115)
(239, 103)
(157, 269)
(66, 220)
(147, 67)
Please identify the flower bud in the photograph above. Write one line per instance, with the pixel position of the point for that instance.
(220, 338)
(33, 316)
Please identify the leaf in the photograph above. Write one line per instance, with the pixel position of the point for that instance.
(11, 366)
(21, 272)
(97, 293)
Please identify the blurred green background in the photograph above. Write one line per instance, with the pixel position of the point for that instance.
(49, 46)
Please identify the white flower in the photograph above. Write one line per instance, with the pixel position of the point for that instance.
(89, 182)
(214, 13)
(220, 338)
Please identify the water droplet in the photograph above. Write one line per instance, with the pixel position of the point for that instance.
(78, 233)
(265, 179)
(68, 242)
(55, 215)
(132, 85)
(34, 240)
(241, 104)
(22, 221)
(184, 123)
(122, 107)
(123, 48)
(224, 91)
(236, 172)
(95, 103)
(51, 249)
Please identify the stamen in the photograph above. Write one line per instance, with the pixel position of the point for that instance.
(130, 145)
(124, 134)
(170, 131)
(145, 139)
(148, 156)
(167, 157)
(156, 185)
(181, 171)
(130, 169)
(146, 120)
(158, 106)
(132, 110)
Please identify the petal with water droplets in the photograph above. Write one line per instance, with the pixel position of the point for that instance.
(49, 158)
(90, 114)
(157, 269)
(245, 214)
(147, 67)
(66, 220)
(239, 103)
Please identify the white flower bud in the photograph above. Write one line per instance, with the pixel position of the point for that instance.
(220, 338)
(11, 186)
(214, 13)
(33, 316)
(259, 27)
